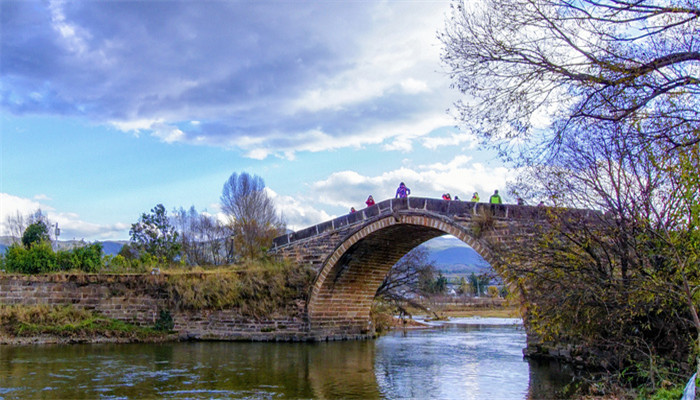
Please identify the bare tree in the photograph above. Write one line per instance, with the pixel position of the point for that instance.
(412, 276)
(574, 63)
(251, 213)
(18, 223)
(203, 238)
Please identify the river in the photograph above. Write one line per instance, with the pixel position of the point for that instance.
(448, 361)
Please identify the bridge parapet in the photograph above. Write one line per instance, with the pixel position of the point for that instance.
(437, 206)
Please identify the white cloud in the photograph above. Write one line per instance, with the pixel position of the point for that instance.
(460, 176)
(414, 86)
(168, 134)
(11, 205)
(344, 189)
(297, 213)
(453, 139)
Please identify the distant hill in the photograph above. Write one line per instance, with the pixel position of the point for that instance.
(113, 247)
(453, 257)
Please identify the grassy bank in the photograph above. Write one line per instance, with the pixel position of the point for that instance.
(66, 323)
(257, 290)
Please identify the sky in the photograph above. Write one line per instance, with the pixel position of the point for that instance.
(108, 108)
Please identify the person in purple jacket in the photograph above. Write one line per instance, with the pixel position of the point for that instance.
(402, 191)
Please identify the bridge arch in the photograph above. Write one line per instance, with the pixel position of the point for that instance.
(342, 294)
(353, 253)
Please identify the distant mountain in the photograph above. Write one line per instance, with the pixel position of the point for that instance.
(453, 257)
(112, 247)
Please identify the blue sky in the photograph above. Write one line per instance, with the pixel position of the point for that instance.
(108, 108)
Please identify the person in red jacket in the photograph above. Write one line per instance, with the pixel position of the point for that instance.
(370, 201)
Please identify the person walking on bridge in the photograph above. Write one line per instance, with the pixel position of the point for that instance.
(475, 197)
(370, 201)
(402, 191)
(495, 198)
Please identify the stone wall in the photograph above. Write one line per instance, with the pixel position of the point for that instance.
(139, 299)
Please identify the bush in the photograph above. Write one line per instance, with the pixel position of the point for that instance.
(39, 258)
(88, 258)
(165, 322)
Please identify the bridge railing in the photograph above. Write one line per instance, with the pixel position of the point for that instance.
(436, 206)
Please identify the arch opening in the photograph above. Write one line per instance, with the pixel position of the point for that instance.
(343, 293)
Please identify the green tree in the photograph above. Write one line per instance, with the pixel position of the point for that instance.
(464, 287)
(35, 233)
(251, 214)
(153, 234)
(479, 283)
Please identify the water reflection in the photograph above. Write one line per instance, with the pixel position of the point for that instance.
(450, 362)
(453, 362)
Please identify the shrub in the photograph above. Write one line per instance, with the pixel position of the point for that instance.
(39, 258)
(483, 221)
(165, 321)
(88, 258)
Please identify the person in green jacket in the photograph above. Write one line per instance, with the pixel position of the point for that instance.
(495, 198)
(475, 197)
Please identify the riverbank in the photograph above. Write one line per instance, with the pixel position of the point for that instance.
(462, 314)
(484, 308)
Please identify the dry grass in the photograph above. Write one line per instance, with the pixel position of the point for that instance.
(66, 322)
(502, 310)
(257, 290)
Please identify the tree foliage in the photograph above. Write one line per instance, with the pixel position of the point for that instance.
(18, 223)
(154, 234)
(599, 103)
(35, 233)
(251, 214)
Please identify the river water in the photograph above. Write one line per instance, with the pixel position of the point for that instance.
(451, 361)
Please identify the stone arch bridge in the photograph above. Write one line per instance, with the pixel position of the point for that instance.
(352, 254)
